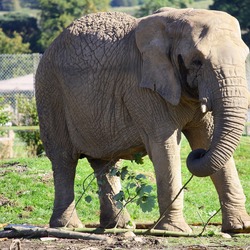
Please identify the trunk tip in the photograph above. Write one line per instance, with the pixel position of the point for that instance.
(196, 165)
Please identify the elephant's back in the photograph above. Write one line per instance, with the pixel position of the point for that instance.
(105, 26)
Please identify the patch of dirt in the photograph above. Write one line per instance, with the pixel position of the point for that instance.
(12, 167)
(115, 243)
(5, 201)
(47, 177)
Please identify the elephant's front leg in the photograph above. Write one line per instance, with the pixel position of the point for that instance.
(232, 199)
(64, 212)
(109, 185)
(166, 160)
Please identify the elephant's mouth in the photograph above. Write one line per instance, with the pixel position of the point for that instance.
(189, 92)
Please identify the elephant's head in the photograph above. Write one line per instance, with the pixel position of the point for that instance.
(200, 54)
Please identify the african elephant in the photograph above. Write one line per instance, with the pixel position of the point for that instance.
(112, 85)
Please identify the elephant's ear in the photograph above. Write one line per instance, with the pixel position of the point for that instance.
(157, 70)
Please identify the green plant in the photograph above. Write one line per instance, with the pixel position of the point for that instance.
(5, 116)
(29, 116)
(136, 190)
(12, 45)
(20, 28)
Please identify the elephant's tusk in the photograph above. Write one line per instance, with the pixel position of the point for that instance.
(204, 105)
(203, 108)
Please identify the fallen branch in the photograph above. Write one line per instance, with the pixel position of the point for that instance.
(204, 228)
(19, 231)
(28, 231)
(153, 232)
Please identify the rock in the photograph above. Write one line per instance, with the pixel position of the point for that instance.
(226, 236)
(48, 239)
(138, 239)
(129, 234)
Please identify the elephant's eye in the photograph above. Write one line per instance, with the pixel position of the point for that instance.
(197, 63)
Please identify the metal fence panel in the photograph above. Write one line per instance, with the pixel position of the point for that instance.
(17, 78)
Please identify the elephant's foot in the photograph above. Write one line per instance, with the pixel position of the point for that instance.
(174, 226)
(116, 219)
(236, 221)
(65, 218)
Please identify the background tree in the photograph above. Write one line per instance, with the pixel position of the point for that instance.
(12, 45)
(150, 6)
(58, 14)
(239, 9)
(24, 25)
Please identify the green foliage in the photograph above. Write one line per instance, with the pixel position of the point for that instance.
(23, 24)
(237, 8)
(5, 116)
(136, 189)
(27, 107)
(150, 6)
(138, 158)
(58, 14)
(12, 45)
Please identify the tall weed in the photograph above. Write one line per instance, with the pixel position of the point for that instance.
(29, 117)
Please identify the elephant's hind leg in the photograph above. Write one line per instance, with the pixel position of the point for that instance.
(109, 185)
(64, 212)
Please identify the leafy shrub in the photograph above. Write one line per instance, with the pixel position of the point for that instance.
(17, 24)
(29, 117)
(137, 189)
(5, 116)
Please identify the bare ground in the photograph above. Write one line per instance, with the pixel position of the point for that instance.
(128, 241)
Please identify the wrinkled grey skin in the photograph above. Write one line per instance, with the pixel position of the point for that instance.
(111, 86)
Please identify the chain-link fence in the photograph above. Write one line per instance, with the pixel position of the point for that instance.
(17, 78)
(16, 95)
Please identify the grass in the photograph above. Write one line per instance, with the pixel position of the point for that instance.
(201, 4)
(26, 194)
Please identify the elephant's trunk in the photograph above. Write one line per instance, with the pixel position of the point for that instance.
(229, 105)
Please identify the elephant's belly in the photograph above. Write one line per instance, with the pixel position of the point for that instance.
(112, 149)
(127, 154)
(122, 142)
